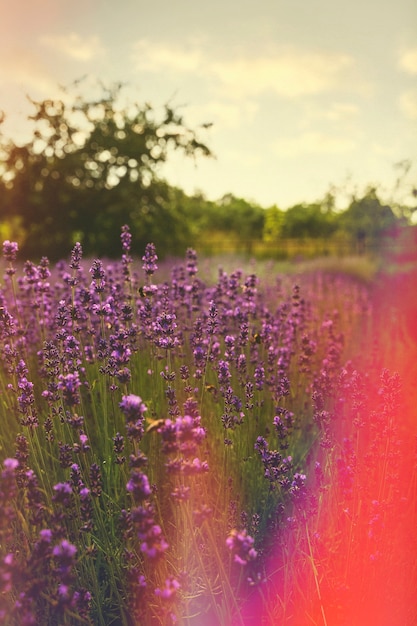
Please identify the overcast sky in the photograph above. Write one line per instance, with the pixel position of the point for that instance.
(302, 93)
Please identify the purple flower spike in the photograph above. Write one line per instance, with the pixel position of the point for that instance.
(76, 256)
(64, 554)
(170, 589)
(126, 238)
(133, 407)
(139, 486)
(98, 274)
(154, 544)
(69, 385)
(241, 545)
(10, 464)
(10, 249)
(149, 259)
(191, 262)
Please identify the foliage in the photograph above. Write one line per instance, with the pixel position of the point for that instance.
(367, 219)
(90, 166)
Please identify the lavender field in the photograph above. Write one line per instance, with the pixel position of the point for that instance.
(206, 448)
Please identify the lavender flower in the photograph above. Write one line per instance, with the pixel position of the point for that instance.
(76, 256)
(240, 545)
(126, 239)
(64, 554)
(169, 590)
(133, 407)
(98, 275)
(191, 262)
(134, 410)
(69, 384)
(138, 486)
(95, 480)
(10, 249)
(63, 494)
(149, 260)
(154, 544)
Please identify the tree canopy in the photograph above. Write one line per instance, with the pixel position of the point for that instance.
(90, 167)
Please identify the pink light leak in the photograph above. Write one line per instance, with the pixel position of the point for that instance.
(351, 560)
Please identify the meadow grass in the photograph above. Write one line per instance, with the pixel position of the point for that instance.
(196, 448)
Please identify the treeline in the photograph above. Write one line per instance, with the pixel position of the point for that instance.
(93, 165)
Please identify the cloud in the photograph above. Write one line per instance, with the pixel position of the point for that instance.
(226, 114)
(287, 72)
(408, 60)
(155, 57)
(23, 68)
(341, 111)
(408, 103)
(290, 74)
(74, 46)
(313, 143)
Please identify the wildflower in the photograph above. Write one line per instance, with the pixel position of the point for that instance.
(134, 410)
(149, 260)
(69, 384)
(76, 256)
(171, 587)
(224, 374)
(10, 249)
(7, 490)
(64, 551)
(126, 238)
(26, 401)
(63, 493)
(181, 493)
(84, 445)
(164, 331)
(259, 377)
(95, 480)
(184, 435)
(184, 372)
(212, 321)
(98, 275)
(241, 546)
(196, 466)
(7, 323)
(82, 602)
(75, 477)
(64, 554)
(138, 485)
(191, 262)
(133, 407)
(35, 497)
(65, 454)
(10, 464)
(118, 448)
(298, 486)
(202, 514)
(154, 544)
(86, 509)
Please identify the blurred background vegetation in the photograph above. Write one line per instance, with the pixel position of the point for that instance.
(93, 165)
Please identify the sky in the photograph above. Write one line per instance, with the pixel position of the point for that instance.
(304, 95)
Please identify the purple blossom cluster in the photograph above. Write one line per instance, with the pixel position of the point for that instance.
(240, 545)
(235, 381)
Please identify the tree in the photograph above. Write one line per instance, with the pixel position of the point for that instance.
(91, 166)
(274, 219)
(309, 220)
(367, 219)
(242, 218)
